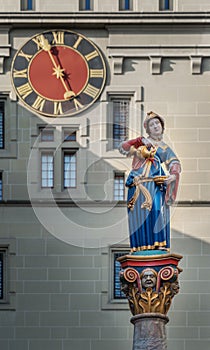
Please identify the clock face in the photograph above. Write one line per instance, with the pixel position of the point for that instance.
(58, 73)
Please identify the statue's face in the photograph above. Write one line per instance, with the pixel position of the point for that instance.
(155, 127)
(148, 279)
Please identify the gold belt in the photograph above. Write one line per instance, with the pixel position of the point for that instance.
(147, 204)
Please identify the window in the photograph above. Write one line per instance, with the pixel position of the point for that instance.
(117, 293)
(69, 169)
(119, 186)
(1, 276)
(70, 135)
(1, 125)
(112, 297)
(7, 262)
(47, 135)
(125, 5)
(166, 5)
(1, 187)
(27, 5)
(8, 129)
(86, 5)
(120, 121)
(47, 170)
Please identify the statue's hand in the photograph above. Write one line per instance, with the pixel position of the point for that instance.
(170, 179)
(146, 142)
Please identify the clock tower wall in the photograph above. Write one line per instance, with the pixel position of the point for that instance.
(63, 199)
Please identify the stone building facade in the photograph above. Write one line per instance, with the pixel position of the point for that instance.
(58, 243)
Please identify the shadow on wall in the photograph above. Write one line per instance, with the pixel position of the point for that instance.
(189, 325)
(206, 65)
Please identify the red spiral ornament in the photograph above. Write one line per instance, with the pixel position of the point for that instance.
(166, 273)
(130, 275)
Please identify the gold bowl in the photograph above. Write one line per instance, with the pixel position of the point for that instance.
(159, 180)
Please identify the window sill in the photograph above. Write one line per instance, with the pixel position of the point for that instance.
(10, 306)
(113, 304)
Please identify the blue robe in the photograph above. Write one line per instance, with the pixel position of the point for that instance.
(150, 229)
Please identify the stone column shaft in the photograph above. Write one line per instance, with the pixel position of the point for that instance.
(149, 331)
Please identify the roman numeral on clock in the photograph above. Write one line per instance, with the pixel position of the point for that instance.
(75, 46)
(20, 73)
(39, 103)
(91, 90)
(58, 38)
(39, 40)
(77, 104)
(58, 108)
(96, 73)
(91, 55)
(25, 55)
(24, 90)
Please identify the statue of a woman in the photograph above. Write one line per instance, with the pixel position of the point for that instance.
(150, 190)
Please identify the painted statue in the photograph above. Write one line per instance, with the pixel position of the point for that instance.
(150, 190)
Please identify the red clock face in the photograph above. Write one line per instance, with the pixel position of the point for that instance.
(73, 69)
(58, 73)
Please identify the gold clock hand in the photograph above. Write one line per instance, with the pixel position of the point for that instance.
(57, 69)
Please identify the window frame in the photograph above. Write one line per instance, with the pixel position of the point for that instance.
(1, 186)
(118, 174)
(10, 128)
(27, 5)
(65, 153)
(108, 300)
(47, 152)
(2, 125)
(116, 269)
(70, 132)
(4, 252)
(114, 121)
(135, 117)
(8, 250)
(166, 5)
(43, 131)
(1, 275)
(125, 5)
(86, 5)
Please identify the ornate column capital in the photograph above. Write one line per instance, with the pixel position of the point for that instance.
(150, 281)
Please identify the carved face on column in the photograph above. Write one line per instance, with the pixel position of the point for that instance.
(148, 278)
